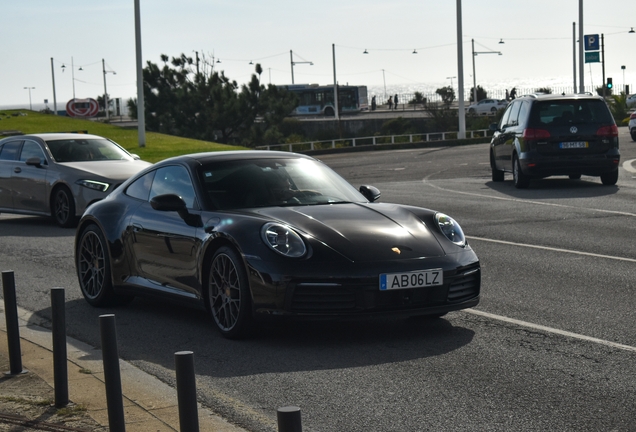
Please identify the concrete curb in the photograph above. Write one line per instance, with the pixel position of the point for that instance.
(149, 404)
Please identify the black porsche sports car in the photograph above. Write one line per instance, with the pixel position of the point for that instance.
(256, 234)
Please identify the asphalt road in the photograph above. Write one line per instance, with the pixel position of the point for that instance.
(551, 346)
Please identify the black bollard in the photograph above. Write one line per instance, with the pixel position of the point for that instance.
(289, 419)
(13, 328)
(186, 391)
(60, 366)
(112, 377)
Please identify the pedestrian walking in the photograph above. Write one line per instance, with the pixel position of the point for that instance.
(373, 105)
(390, 103)
(395, 101)
(507, 95)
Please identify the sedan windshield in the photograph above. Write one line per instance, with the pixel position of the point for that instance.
(82, 149)
(274, 182)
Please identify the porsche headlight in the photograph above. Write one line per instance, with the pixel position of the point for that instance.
(283, 240)
(451, 229)
(95, 185)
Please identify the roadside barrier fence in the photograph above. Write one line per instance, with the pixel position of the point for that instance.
(374, 140)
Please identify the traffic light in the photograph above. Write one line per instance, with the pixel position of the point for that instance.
(609, 83)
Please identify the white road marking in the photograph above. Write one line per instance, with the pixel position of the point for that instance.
(551, 330)
(553, 249)
(427, 182)
(628, 166)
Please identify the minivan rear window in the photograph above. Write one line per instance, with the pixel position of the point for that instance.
(574, 111)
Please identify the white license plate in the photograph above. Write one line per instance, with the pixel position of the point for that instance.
(573, 144)
(416, 279)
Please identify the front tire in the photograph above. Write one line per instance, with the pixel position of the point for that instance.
(228, 294)
(610, 178)
(93, 268)
(520, 180)
(63, 207)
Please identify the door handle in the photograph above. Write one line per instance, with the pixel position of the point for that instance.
(17, 170)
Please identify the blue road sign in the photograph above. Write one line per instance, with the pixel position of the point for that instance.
(591, 42)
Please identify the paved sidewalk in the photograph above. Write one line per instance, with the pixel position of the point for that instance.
(149, 404)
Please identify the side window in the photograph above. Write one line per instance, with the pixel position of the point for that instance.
(504, 118)
(513, 119)
(9, 151)
(140, 188)
(173, 180)
(523, 113)
(31, 149)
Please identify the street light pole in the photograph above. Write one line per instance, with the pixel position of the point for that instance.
(384, 80)
(474, 77)
(30, 88)
(461, 114)
(106, 91)
(624, 91)
(291, 56)
(54, 96)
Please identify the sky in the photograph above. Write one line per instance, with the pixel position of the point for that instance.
(39, 37)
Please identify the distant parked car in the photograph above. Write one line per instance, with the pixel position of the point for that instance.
(60, 174)
(631, 101)
(487, 106)
(632, 125)
(546, 135)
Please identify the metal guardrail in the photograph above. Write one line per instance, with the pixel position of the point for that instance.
(373, 140)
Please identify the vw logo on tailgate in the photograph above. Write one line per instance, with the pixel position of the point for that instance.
(574, 129)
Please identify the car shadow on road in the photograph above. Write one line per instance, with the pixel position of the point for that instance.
(34, 226)
(555, 187)
(152, 331)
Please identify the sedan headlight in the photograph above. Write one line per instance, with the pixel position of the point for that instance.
(283, 240)
(95, 185)
(451, 229)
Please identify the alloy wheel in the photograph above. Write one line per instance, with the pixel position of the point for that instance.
(91, 265)
(225, 292)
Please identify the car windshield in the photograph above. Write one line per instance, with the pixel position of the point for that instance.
(571, 111)
(86, 149)
(274, 182)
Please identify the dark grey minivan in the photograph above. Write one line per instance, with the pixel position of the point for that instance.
(543, 135)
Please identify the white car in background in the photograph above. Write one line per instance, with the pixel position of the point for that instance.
(487, 106)
(631, 101)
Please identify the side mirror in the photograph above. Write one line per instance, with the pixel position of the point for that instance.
(371, 193)
(168, 202)
(35, 161)
(493, 127)
(135, 156)
(173, 202)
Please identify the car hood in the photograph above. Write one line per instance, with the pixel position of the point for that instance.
(362, 232)
(116, 170)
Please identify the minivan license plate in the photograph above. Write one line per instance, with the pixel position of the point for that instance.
(416, 279)
(573, 144)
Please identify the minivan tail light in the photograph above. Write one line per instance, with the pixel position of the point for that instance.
(608, 131)
(535, 134)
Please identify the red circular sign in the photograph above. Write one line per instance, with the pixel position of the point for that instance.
(82, 107)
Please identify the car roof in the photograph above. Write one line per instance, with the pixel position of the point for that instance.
(234, 155)
(54, 136)
(63, 135)
(546, 96)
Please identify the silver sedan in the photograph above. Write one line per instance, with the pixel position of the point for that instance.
(61, 174)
